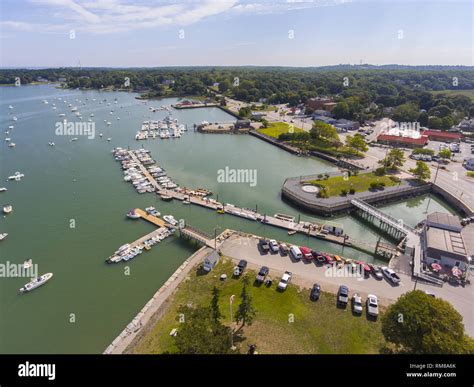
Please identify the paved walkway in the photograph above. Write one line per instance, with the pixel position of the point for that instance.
(151, 307)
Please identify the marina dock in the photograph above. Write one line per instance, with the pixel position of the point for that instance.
(152, 219)
(307, 228)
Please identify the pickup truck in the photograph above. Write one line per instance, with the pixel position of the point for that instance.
(262, 274)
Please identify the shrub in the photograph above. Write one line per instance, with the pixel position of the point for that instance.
(380, 171)
(323, 193)
(352, 191)
(344, 192)
(373, 185)
(395, 179)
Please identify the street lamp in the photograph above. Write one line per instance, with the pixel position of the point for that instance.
(231, 301)
(215, 237)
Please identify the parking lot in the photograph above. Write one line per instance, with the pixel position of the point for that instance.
(305, 274)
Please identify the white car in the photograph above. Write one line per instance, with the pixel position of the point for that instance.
(285, 280)
(372, 305)
(357, 303)
(273, 245)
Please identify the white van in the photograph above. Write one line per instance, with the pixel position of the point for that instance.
(296, 253)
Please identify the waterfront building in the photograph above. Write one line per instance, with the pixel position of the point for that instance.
(443, 242)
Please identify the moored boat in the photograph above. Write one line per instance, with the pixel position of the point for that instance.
(36, 282)
(7, 208)
(132, 214)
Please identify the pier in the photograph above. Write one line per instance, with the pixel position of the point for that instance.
(307, 228)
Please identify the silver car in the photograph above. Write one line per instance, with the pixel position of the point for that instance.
(372, 305)
(357, 303)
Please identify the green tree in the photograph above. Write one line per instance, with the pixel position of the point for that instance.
(357, 142)
(406, 112)
(341, 110)
(394, 159)
(421, 171)
(200, 334)
(447, 123)
(215, 311)
(246, 312)
(420, 324)
(323, 131)
(423, 119)
(445, 154)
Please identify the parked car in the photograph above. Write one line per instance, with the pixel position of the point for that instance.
(315, 292)
(284, 250)
(263, 246)
(376, 271)
(295, 252)
(391, 275)
(262, 274)
(357, 303)
(306, 253)
(372, 305)
(320, 259)
(343, 295)
(285, 280)
(239, 269)
(430, 294)
(273, 246)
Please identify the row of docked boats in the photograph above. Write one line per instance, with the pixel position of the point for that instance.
(167, 128)
(130, 251)
(134, 173)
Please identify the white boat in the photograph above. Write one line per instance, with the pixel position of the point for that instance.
(62, 115)
(8, 139)
(74, 139)
(16, 176)
(132, 214)
(2, 189)
(12, 145)
(51, 143)
(170, 219)
(27, 264)
(7, 209)
(3, 235)
(10, 107)
(108, 139)
(41, 280)
(15, 119)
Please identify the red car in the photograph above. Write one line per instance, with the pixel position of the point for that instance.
(306, 253)
(329, 259)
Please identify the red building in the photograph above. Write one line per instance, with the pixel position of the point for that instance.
(439, 135)
(403, 141)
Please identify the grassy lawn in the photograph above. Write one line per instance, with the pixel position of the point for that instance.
(467, 93)
(276, 128)
(360, 183)
(317, 327)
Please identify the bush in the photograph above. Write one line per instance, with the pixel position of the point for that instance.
(344, 192)
(352, 191)
(323, 193)
(373, 185)
(395, 179)
(380, 171)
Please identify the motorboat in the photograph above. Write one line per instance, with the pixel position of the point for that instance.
(27, 264)
(170, 219)
(36, 282)
(16, 176)
(51, 143)
(7, 209)
(12, 145)
(2, 189)
(166, 197)
(152, 211)
(3, 235)
(132, 214)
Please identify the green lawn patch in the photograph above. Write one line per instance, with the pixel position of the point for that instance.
(468, 93)
(276, 128)
(286, 322)
(336, 185)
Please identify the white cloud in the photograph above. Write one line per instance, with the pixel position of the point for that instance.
(111, 16)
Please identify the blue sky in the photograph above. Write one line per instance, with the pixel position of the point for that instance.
(146, 33)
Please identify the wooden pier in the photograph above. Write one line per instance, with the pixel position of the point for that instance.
(152, 219)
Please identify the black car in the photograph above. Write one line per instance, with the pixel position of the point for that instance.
(343, 295)
(242, 265)
(264, 246)
(262, 274)
(315, 292)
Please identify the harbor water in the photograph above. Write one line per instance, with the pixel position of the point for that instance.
(69, 210)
